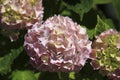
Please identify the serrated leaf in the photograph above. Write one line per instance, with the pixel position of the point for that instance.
(80, 8)
(7, 60)
(102, 1)
(101, 26)
(91, 33)
(109, 22)
(23, 75)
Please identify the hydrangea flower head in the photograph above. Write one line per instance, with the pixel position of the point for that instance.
(17, 14)
(58, 44)
(106, 53)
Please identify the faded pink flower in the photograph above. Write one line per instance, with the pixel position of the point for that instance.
(18, 14)
(58, 44)
(106, 54)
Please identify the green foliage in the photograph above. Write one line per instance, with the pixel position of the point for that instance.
(7, 60)
(14, 64)
(72, 75)
(23, 75)
(102, 1)
(109, 22)
(37, 75)
(116, 4)
(100, 27)
(80, 8)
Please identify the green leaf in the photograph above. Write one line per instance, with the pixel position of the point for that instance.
(37, 75)
(7, 60)
(23, 75)
(102, 1)
(101, 26)
(72, 75)
(109, 22)
(80, 8)
(91, 33)
(116, 4)
(66, 13)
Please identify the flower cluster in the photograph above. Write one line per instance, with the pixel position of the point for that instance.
(106, 54)
(18, 14)
(58, 44)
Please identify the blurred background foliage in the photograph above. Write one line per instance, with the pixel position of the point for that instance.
(95, 15)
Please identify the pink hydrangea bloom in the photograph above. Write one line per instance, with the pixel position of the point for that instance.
(18, 14)
(58, 44)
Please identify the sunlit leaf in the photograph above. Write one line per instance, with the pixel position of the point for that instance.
(101, 26)
(91, 33)
(72, 75)
(109, 22)
(7, 60)
(23, 75)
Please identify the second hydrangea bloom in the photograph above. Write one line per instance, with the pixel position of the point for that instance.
(17, 14)
(58, 44)
(106, 54)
